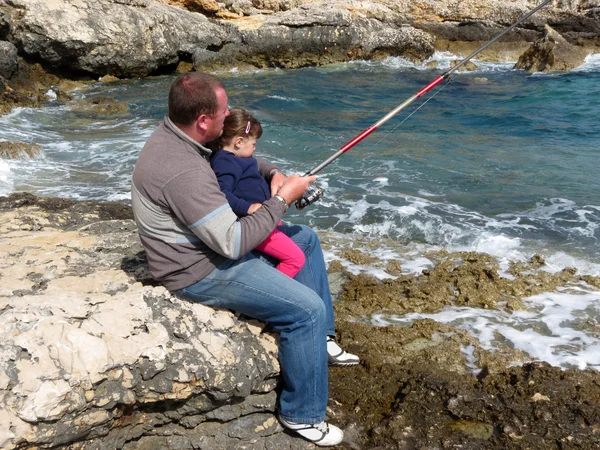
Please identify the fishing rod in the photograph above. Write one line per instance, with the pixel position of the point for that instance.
(314, 192)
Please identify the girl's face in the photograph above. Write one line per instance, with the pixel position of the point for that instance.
(245, 146)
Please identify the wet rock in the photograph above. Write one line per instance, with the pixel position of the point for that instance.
(552, 53)
(19, 150)
(467, 67)
(420, 401)
(480, 80)
(99, 106)
(394, 268)
(108, 79)
(8, 59)
(432, 65)
(475, 430)
(30, 85)
(357, 257)
(458, 279)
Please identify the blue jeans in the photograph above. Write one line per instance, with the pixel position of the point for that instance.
(299, 309)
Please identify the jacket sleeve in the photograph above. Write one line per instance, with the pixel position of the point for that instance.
(265, 167)
(197, 201)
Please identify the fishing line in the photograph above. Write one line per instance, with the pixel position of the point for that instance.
(314, 192)
(411, 114)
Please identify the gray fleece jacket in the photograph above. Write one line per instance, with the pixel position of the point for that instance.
(184, 220)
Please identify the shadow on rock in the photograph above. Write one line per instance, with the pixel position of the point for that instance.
(136, 266)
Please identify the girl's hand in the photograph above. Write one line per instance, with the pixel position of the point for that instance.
(254, 207)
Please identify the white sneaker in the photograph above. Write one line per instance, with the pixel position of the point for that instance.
(337, 356)
(321, 434)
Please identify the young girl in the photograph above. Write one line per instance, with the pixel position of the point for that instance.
(245, 188)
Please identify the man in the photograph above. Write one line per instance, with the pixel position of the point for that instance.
(199, 249)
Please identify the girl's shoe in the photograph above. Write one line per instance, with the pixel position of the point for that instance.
(337, 356)
(321, 434)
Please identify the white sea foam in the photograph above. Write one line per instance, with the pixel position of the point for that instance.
(553, 330)
(51, 95)
(443, 61)
(285, 99)
(117, 197)
(454, 228)
(591, 64)
(497, 245)
(427, 194)
(556, 262)
(470, 360)
(6, 178)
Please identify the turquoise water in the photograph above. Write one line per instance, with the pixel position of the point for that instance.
(496, 161)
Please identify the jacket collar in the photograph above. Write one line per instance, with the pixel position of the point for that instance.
(206, 152)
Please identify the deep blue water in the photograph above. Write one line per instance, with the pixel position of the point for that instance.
(496, 160)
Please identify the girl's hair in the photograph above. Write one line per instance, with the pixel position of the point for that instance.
(239, 122)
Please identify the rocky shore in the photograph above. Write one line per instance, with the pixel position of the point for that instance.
(95, 355)
(48, 45)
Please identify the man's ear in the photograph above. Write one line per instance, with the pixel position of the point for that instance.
(201, 122)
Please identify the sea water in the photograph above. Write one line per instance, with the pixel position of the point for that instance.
(495, 160)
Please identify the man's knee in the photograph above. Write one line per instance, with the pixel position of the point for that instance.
(310, 308)
(304, 236)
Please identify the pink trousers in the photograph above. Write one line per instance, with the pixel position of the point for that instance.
(280, 246)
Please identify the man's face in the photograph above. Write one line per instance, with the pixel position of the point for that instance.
(215, 121)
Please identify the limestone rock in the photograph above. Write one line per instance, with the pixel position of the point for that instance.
(121, 38)
(552, 53)
(94, 353)
(321, 34)
(131, 38)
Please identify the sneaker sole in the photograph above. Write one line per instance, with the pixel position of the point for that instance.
(344, 364)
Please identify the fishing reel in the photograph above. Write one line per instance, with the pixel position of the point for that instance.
(312, 194)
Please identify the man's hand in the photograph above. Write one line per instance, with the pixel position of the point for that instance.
(294, 187)
(277, 181)
(254, 207)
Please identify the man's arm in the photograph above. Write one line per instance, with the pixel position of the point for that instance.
(197, 201)
(274, 176)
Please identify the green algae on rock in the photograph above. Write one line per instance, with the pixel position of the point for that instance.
(99, 106)
(19, 150)
(457, 279)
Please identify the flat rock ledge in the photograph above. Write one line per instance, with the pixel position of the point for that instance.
(93, 355)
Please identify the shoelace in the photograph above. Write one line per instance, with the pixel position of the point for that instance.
(322, 427)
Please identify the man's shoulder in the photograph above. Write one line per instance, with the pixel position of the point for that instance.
(165, 157)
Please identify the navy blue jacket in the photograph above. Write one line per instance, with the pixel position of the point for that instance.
(240, 181)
